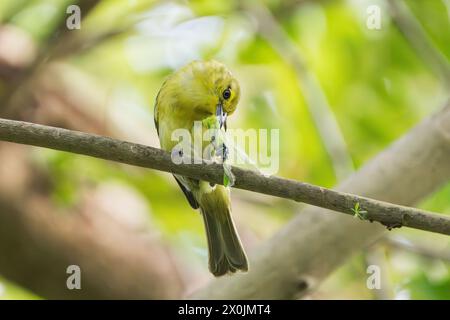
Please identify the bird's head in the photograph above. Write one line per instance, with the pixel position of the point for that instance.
(205, 88)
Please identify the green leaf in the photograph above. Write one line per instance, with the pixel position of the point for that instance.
(358, 213)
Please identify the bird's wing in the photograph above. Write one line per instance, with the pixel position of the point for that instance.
(189, 196)
(155, 115)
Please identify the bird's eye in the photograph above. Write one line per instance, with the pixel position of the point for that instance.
(226, 94)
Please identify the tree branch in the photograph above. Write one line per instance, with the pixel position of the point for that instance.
(37, 245)
(314, 243)
(388, 214)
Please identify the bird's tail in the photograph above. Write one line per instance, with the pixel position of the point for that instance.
(226, 254)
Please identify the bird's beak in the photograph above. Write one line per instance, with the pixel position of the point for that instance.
(222, 116)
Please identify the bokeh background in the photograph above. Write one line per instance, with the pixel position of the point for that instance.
(339, 92)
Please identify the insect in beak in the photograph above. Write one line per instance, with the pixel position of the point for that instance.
(222, 116)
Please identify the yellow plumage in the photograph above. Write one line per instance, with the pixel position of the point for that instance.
(198, 91)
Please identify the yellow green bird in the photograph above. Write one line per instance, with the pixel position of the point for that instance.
(198, 91)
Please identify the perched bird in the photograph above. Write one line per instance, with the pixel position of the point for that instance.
(198, 91)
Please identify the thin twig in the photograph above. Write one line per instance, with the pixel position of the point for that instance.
(388, 214)
(419, 40)
(316, 100)
(427, 251)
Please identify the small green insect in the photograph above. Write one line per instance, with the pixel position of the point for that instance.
(358, 213)
(226, 180)
(218, 141)
(211, 122)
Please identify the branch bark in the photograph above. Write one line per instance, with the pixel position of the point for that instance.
(315, 242)
(390, 215)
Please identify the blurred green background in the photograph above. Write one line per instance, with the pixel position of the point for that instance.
(357, 91)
